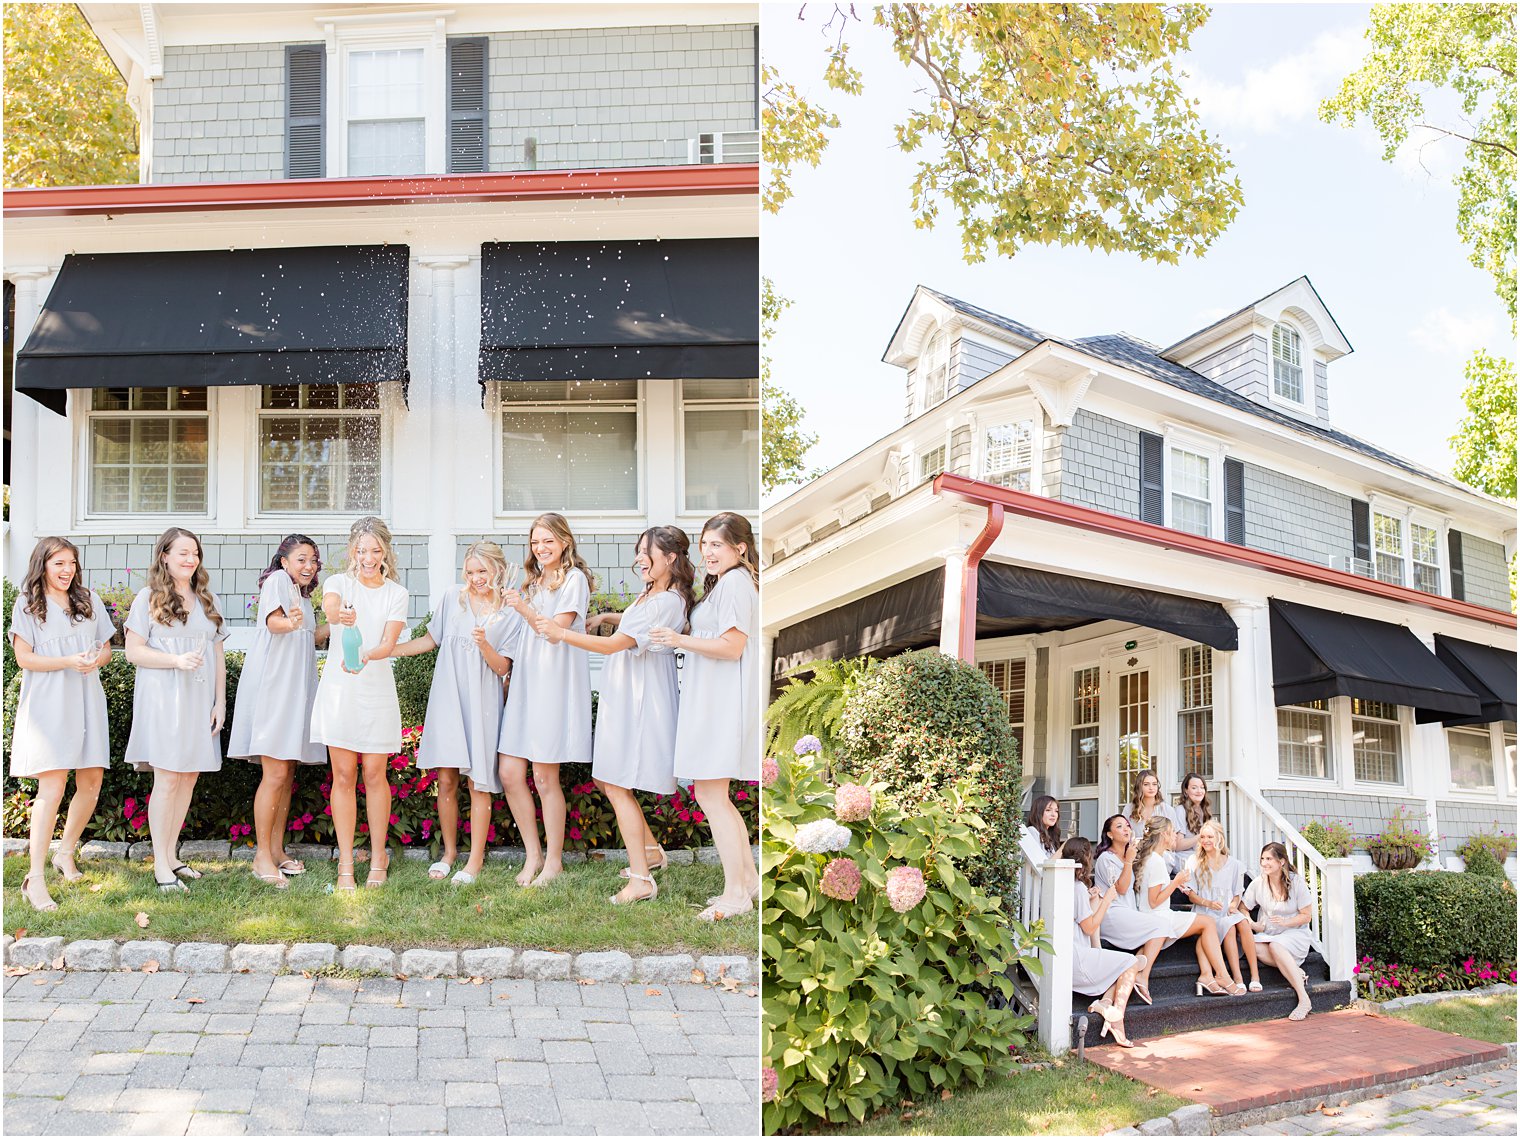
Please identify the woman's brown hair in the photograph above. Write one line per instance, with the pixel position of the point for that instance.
(34, 585)
(1198, 813)
(738, 533)
(165, 605)
(1080, 851)
(1134, 792)
(1154, 830)
(1050, 837)
(1280, 852)
(672, 540)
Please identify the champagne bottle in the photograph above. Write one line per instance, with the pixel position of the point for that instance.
(352, 641)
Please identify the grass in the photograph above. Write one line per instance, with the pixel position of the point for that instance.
(1071, 1098)
(1477, 1018)
(412, 911)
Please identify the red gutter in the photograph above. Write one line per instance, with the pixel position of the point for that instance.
(983, 543)
(961, 489)
(613, 182)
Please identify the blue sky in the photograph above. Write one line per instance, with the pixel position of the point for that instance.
(1378, 239)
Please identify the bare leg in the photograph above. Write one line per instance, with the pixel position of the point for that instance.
(448, 814)
(730, 836)
(480, 827)
(182, 794)
(345, 805)
(1295, 976)
(1208, 942)
(648, 841)
(279, 826)
(514, 781)
(50, 788)
(273, 788)
(377, 810)
(1152, 950)
(552, 798)
(1248, 943)
(81, 808)
(632, 826)
(1231, 951)
(163, 826)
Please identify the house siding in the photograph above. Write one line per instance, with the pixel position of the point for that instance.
(1241, 367)
(1321, 392)
(959, 459)
(1459, 821)
(973, 361)
(616, 96)
(1036, 731)
(1300, 519)
(209, 97)
(1486, 573)
(1367, 814)
(1097, 464)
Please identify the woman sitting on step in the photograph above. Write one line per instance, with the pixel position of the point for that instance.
(1095, 971)
(1124, 925)
(1218, 879)
(1286, 908)
(1155, 891)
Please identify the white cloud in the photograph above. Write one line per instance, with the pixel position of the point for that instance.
(1444, 331)
(1288, 91)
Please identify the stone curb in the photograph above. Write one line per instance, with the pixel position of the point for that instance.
(490, 962)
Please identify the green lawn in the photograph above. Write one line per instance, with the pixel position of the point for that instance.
(1477, 1018)
(229, 905)
(1074, 1098)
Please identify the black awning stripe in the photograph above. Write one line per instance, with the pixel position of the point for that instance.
(1488, 671)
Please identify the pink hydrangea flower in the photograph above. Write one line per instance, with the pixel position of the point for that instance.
(905, 887)
(841, 879)
(770, 771)
(768, 1084)
(852, 802)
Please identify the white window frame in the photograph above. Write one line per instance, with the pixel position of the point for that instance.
(1305, 366)
(611, 520)
(1504, 787)
(1015, 655)
(726, 404)
(1407, 515)
(1342, 754)
(926, 365)
(1178, 438)
(1070, 723)
(347, 34)
(1024, 411)
(390, 404)
(83, 449)
(1333, 765)
(1399, 722)
(1439, 529)
(922, 459)
(1185, 710)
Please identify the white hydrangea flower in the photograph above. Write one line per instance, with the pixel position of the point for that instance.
(821, 837)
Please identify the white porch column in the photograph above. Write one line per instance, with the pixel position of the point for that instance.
(1245, 715)
(950, 616)
(1056, 908)
(26, 425)
(1340, 917)
(442, 422)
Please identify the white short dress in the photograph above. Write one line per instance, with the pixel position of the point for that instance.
(278, 685)
(465, 702)
(171, 709)
(1172, 858)
(1125, 924)
(718, 728)
(61, 719)
(1298, 940)
(359, 711)
(1093, 970)
(1224, 884)
(548, 713)
(1154, 873)
(636, 715)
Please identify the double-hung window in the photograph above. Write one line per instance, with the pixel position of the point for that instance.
(1195, 717)
(1086, 694)
(149, 451)
(1425, 557)
(720, 424)
(1376, 742)
(1304, 740)
(1192, 487)
(385, 107)
(569, 445)
(1388, 547)
(934, 369)
(1287, 364)
(1008, 454)
(931, 463)
(1471, 752)
(1008, 677)
(319, 449)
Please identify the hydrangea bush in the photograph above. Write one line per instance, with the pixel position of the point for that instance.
(879, 952)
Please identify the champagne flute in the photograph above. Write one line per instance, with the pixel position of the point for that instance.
(199, 642)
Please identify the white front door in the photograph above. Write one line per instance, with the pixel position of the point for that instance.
(1129, 737)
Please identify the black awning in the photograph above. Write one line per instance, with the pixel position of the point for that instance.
(1015, 593)
(631, 310)
(1317, 654)
(216, 318)
(1488, 671)
(901, 617)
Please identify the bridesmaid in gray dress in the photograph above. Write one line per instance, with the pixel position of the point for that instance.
(61, 634)
(547, 720)
(1124, 925)
(271, 717)
(718, 726)
(1095, 971)
(1287, 907)
(636, 715)
(1215, 888)
(175, 632)
(477, 637)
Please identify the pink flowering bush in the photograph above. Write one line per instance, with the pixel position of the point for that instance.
(1383, 981)
(852, 802)
(769, 769)
(840, 879)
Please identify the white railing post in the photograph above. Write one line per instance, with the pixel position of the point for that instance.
(1057, 878)
(1339, 907)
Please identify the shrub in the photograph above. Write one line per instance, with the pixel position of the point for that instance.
(1331, 837)
(1480, 861)
(879, 955)
(1499, 845)
(1432, 918)
(921, 721)
(1383, 981)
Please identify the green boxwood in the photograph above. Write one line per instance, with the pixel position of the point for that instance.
(1480, 861)
(922, 721)
(1432, 917)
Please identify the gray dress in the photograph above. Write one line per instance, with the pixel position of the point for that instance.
(1225, 883)
(60, 716)
(718, 728)
(278, 684)
(1125, 924)
(548, 713)
(171, 709)
(465, 702)
(1092, 970)
(1297, 940)
(636, 715)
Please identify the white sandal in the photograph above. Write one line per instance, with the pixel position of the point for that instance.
(654, 891)
(440, 870)
(727, 908)
(627, 871)
(461, 877)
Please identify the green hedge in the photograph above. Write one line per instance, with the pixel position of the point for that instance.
(923, 721)
(1432, 918)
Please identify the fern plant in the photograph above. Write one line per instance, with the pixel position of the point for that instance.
(813, 707)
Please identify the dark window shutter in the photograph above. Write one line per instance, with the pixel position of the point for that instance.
(467, 105)
(1458, 579)
(1152, 507)
(1361, 530)
(1235, 502)
(305, 153)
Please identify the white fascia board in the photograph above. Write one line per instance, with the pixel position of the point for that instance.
(1297, 299)
(926, 311)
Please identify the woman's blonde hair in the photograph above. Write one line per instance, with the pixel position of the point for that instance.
(1134, 795)
(1154, 831)
(1206, 865)
(380, 532)
(559, 526)
(490, 555)
(165, 605)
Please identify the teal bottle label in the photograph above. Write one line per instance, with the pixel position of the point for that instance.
(352, 641)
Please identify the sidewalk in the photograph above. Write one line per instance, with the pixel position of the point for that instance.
(232, 1054)
(1483, 1104)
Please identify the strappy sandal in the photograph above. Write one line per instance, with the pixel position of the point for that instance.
(754, 894)
(373, 883)
(462, 878)
(277, 880)
(291, 866)
(1300, 1010)
(173, 886)
(348, 873)
(48, 908)
(726, 908)
(184, 870)
(63, 872)
(627, 871)
(654, 891)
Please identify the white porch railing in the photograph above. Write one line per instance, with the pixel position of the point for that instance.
(1250, 822)
(1045, 891)
(723, 146)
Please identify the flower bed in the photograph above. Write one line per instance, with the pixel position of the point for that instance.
(1383, 981)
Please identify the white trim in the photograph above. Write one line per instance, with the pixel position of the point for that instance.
(736, 403)
(1176, 437)
(408, 31)
(81, 406)
(254, 413)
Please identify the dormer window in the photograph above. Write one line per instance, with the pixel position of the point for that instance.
(934, 368)
(1287, 364)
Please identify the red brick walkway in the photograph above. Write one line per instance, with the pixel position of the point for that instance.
(1245, 1066)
